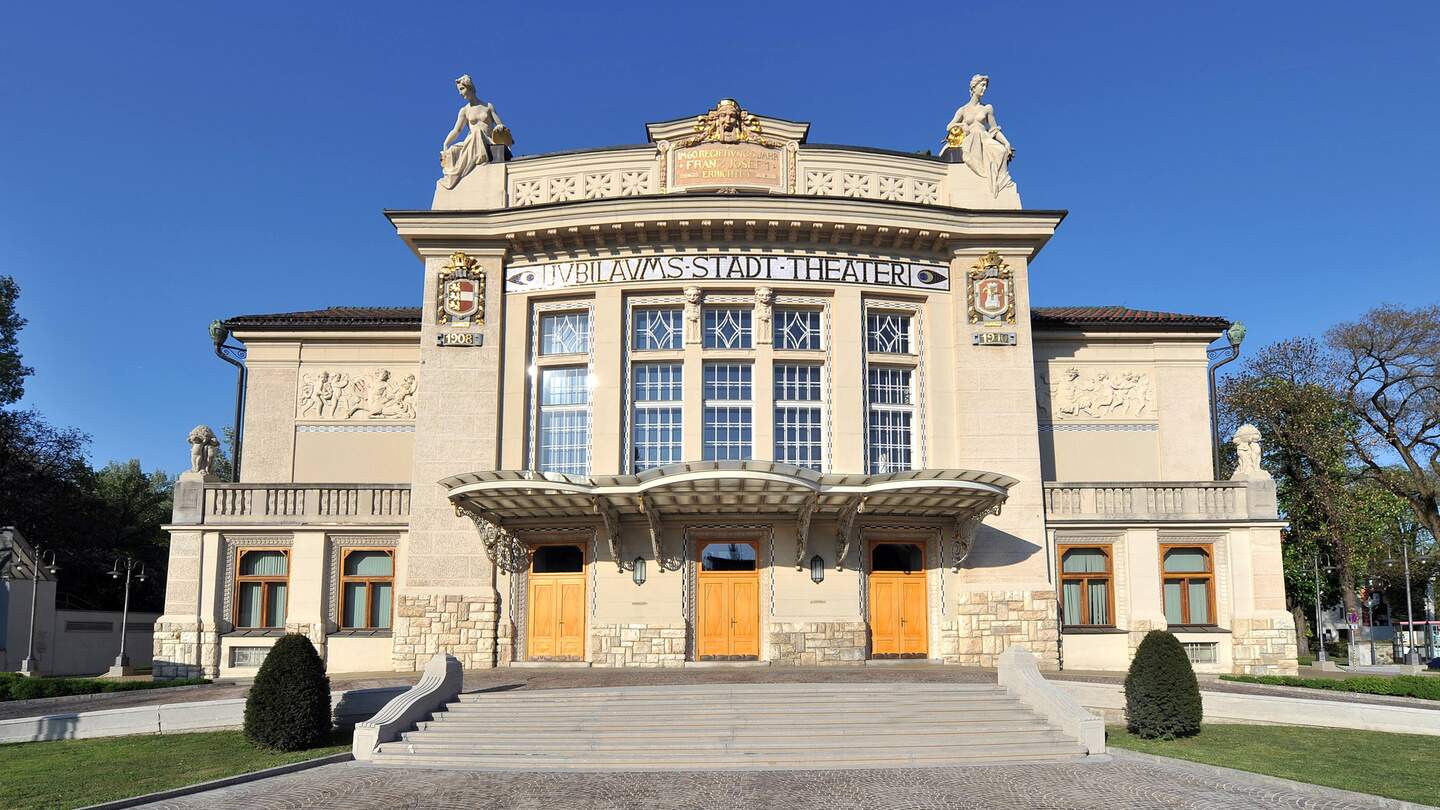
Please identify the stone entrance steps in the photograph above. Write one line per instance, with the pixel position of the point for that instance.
(732, 727)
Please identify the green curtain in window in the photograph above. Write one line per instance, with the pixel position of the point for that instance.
(1071, 603)
(1186, 561)
(1199, 603)
(278, 592)
(369, 564)
(264, 564)
(247, 613)
(380, 609)
(1084, 561)
(354, 604)
(1173, 595)
(1099, 601)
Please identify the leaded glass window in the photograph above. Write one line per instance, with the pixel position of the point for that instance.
(797, 329)
(728, 430)
(656, 434)
(565, 332)
(564, 445)
(891, 411)
(657, 329)
(799, 431)
(888, 332)
(727, 327)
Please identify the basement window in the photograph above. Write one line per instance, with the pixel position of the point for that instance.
(1200, 652)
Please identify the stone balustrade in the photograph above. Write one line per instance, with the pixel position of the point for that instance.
(1153, 501)
(232, 504)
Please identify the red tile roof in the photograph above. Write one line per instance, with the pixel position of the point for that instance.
(1123, 318)
(408, 318)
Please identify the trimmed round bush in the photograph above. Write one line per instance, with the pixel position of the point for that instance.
(1162, 697)
(288, 708)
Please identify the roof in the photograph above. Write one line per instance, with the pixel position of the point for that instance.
(408, 318)
(366, 318)
(1123, 318)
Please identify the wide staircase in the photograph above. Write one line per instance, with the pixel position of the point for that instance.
(732, 727)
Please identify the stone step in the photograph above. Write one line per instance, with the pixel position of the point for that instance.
(580, 742)
(624, 731)
(736, 688)
(647, 760)
(759, 701)
(737, 697)
(724, 719)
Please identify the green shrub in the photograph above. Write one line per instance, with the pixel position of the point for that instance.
(1162, 697)
(1416, 686)
(15, 687)
(288, 708)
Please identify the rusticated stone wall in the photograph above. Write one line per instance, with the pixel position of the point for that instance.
(988, 623)
(637, 645)
(817, 643)
(1264, 646)
(175, 648)
(463, 626)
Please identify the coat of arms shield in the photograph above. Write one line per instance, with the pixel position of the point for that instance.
(461, 292)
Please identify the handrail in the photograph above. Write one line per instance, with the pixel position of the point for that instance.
(1018, 671)
(439, 685)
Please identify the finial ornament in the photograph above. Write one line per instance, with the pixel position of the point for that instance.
(458, 156)
(1247, 454)
(976, 134)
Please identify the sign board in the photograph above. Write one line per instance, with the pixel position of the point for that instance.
(728, 165)
(728, 266)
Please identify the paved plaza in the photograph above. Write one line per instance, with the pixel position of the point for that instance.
(1124, 782)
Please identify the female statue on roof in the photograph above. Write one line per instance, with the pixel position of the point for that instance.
(458, 158)
(982, 145)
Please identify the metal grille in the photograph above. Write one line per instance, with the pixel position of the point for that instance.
(564, 445)
(657, 426)
(797, 329)
(888, 332)
(799, 435)
(891, 417)
(657, 329)
(565, 333)
(727, 328)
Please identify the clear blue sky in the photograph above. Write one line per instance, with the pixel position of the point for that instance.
(162, 165)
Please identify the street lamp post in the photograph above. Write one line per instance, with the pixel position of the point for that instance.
(1412, 657)
(122, 661)
(1234, 336)
(30, 668)
(1320, 655)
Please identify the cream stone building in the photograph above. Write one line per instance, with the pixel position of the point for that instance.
(728, 395)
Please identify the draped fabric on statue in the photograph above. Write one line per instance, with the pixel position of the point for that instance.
(457, 160)
(987, 157)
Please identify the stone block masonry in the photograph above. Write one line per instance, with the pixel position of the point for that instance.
(809, 644)
(176, 648)
(638, 645)
(987, 623)
(1264, 646)
(464, 626)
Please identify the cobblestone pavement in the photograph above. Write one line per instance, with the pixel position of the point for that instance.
(1115, 785)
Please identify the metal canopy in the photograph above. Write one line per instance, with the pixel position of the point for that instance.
(507, 499)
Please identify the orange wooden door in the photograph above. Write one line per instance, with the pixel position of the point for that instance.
(728, 623)
(899, 621)
(556, 626)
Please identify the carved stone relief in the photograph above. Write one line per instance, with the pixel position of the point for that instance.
(356, 394)
(1102, 393)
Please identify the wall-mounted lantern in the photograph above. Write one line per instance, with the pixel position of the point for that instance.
(638, 570)
(817, 569)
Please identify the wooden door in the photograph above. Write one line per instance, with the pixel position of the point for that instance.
(556, 612)
(727, 604)
(899, 600)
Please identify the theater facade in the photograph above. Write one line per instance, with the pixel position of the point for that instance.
(728, 396)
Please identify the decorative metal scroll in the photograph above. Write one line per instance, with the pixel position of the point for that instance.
(657, 537)
(611, 519)
(503, 549)
(845, 530)
(802, 530)
(965, 531)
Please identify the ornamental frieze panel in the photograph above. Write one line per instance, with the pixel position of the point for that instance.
(1077, 393)
(823, 182)
(356, 394)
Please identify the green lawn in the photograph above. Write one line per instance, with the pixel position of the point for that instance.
(1398, 766)
(75, 773)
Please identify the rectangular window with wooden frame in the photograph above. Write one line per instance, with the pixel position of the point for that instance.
(367, 586)
(1087, 593)
(1189, 584)
(262, 584)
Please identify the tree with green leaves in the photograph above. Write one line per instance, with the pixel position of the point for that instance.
(12, 371)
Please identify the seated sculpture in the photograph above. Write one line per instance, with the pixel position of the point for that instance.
(983, 147)
(458, 156)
